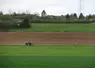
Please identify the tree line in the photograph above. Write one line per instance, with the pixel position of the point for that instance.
(24, 20)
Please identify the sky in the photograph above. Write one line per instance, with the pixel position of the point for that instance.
(52, 7)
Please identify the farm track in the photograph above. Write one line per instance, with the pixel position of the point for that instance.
(19, 38)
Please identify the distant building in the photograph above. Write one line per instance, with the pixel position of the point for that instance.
(43, 14)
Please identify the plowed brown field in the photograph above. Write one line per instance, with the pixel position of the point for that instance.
(19, 38)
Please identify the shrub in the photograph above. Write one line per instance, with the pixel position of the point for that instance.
(25, 23)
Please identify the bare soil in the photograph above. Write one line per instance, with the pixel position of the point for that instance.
(19, 38)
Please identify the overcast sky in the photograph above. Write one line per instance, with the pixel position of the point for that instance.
(52, 7)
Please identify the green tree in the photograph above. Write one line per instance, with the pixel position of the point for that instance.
(25, 23)
(89, 16)
(1, 13)
(67, 16)
(81, 16)
(75, 15)
(43, 14)
(14, 14)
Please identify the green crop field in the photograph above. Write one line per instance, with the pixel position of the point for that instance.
(40, 27)
(47, 57)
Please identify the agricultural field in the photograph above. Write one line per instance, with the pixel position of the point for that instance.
(47, 56)
(50, 27)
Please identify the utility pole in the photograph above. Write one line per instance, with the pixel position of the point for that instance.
(81, 6)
